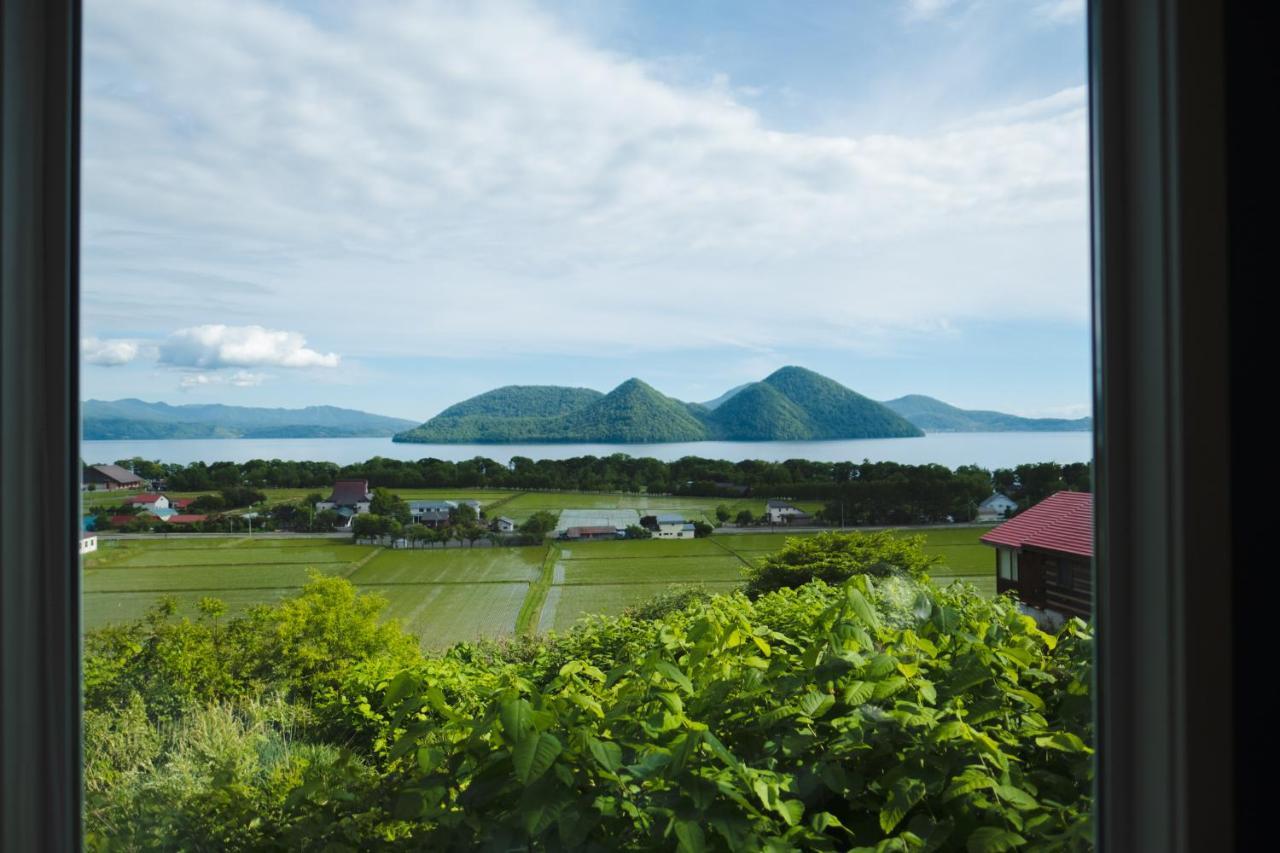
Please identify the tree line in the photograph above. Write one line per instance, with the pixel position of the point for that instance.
(853, 492)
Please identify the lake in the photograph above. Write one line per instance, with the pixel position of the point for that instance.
(987, 449)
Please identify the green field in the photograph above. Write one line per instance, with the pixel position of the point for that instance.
(456, 566)
(525, 504)
(448, 595)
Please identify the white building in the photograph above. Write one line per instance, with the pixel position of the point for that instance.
(88, 543)
(996, 506)
(673, 527)
(505, 525)
(782, 512)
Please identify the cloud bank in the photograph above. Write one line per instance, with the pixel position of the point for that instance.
(463, 179)
(216, 346)
(108, 353)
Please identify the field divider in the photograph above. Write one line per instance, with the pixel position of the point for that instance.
(360, 564)
(500, 502)
(729, 550)
(530, 615)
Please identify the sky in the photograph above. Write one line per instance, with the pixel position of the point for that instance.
(393, 205)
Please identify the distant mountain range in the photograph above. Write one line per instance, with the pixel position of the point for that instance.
(136, 419)
(790, 404)
(936, 416)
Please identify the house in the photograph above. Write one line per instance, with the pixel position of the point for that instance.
(88, 543)
(148, 501)
(996, 506)
(122, 520)
(437, 513)
(186, 518)
(181, 503)
(111, 477)
(431, 513)
(588, 533)
(782, 512)
(164, 513)
(1045, 556)
(671, 527)
(504, 524)
(349, 499)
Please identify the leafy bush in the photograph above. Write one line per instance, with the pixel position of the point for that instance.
(675, 598)
(881, 714)
(836, 557)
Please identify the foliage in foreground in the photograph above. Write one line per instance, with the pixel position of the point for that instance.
(883, 714)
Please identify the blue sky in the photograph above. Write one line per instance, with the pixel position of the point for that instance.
(395, 205)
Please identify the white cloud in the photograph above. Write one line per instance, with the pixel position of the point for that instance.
(239, 379)
(108, 353)
(215, 346)
(453, 179)
(926, 9)
(1061, 11)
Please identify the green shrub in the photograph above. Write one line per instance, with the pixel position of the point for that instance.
(836, 557)
(881, 714)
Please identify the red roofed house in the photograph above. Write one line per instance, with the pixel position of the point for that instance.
(186, 519)
(149, 501)
(181, 503)
(1045, 555)
(349, 499)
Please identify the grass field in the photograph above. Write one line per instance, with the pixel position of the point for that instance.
(448, 595)
(525, 504)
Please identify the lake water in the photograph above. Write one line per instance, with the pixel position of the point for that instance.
(987, 449)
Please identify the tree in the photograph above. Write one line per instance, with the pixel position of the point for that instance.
(415, 533)
(635, 531)
(701, 529)
(836, 557)
(389, 505)
(236, 496)
(464, 514)
(472, 532)
(539, 524)
(723, 514)
(367, 526)
(745, 518)
(326, 519)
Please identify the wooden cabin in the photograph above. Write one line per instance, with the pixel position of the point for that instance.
(1045, 555)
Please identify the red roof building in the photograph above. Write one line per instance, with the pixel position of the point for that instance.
(591, 533)
(122, 520)
(144, 499)
(181, 503)
(186, 519)
(350, 493)
(1045, 554)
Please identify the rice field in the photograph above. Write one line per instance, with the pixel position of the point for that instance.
(450, 595)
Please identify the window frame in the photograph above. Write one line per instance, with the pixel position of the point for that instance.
(1164, 704)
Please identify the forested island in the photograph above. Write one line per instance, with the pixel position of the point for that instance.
(790, 404)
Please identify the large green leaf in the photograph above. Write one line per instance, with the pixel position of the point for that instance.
(814, 704)
(517, 719)
(902, 797)
(534, 755)
(993, 839)
(606, 753)
(671, 671)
